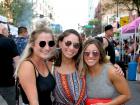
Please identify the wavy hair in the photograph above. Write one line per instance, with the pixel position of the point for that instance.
(58, 52)
(83, 68)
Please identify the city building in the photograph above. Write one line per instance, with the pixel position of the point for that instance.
(116, 14)
(90, 9)
(43, 9)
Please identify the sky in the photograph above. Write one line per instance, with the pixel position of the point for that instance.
(70, 13)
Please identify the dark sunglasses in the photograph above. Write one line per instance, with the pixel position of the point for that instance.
(43, 44)
(75, 45)
(94, 53)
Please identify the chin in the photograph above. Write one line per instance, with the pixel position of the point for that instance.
(69, 56)
(91, 64)
(44, 57)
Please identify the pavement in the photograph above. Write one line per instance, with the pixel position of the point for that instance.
(135, 91)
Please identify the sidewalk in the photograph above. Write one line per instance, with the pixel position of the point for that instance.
(134, 87)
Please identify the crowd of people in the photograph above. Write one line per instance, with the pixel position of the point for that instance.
(63, 70)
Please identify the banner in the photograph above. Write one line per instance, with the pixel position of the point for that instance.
(124, 20)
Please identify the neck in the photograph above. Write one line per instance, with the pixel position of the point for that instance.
(37, 59)
(95, 69)
(67, 61)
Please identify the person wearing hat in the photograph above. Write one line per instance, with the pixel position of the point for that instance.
(108, 43)
(109, 47)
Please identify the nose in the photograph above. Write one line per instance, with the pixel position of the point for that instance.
(90, 54)
(47, 47)
(71, 47)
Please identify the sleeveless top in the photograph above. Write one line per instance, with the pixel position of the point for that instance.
(70, 89)
(100, 86)
(110, 51)
(45, 85)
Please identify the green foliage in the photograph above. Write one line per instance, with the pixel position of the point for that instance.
(21, 11)
(93, 27)
(2, 10)
(129, 4)
(94, 22)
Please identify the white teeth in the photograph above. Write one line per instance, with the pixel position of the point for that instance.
(45, 52)
(91, 60)
(70, 53)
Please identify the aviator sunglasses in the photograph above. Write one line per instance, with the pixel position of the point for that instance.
(75, 45)
(42, 44)
(94, 53)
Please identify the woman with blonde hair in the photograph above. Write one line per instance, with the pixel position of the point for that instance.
(102, 81)
(33, 71)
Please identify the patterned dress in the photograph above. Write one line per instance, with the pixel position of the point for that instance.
(69, 90)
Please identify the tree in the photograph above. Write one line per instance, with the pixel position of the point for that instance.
(93, 28)
(5, 8)
(2, 10)
(20, 11)
(129, 4)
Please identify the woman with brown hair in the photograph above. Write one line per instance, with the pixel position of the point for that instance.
(102, 81)
(70, 88)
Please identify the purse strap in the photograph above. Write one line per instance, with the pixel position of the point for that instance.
(17, 90)
(53, 67)
(17, 84)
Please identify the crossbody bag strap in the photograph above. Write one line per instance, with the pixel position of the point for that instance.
(17, 90)
(53, 67)
(35, 67)
(17, 84)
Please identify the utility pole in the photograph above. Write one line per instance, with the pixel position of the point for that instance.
(117, 7)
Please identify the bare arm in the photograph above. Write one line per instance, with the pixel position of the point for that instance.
(27, 80)
(105, 43)
(118, 68)
(121, 86)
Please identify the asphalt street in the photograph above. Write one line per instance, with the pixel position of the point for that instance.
(135, 90)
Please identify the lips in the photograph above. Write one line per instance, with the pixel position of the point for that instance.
(70, 53)
(45, 52)
(91, 60)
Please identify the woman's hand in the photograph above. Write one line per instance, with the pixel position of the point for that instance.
(119, 69)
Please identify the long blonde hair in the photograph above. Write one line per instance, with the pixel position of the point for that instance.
(28, 49)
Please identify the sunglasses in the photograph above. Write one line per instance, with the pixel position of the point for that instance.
(94, 53)
(42, 44)
(75, 45)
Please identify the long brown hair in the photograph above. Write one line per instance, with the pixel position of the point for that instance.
(83, 68)
(58, 52)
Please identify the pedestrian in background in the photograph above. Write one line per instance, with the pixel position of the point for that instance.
(101, 79)
(108, 45)
(8, 59)
(22, 39)
(4, 30)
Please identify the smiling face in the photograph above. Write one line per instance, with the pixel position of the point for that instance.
(110, 32)
(91, 55)
(69, 46)
(43, 45)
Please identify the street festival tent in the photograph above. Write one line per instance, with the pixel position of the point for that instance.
(130, 30)
(11, 28)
